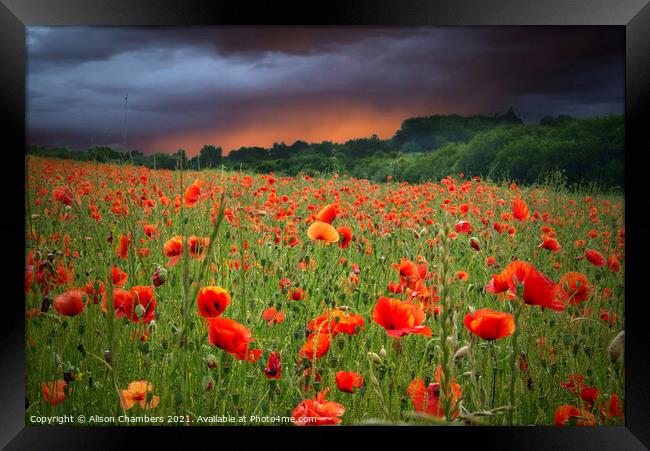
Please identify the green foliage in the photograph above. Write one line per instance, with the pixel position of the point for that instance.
(500, 147)
(435, 131)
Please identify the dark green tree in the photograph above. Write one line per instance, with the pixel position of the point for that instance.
(210, 156)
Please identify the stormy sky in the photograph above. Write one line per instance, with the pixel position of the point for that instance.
(253, 86)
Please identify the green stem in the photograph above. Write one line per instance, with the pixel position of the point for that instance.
(513, 364)
(495, 370)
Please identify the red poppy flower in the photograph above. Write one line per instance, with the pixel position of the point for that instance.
(122, 249)
(318, 411)
(463, 227)
(150, 229)
(615, 407)
(337, 321)
(62, 276)
(322, 231)
(63, 194)
(408, 271)
(212, 301)
(317, 346)
(348, 381)
(520, 210)
(538, 289)
(428, 400)
(575, 381)
(273, 368)
(70, 303)
(193, 193)
(119, 277)
(595, 257)
(198, 246)
(55, 392)
(174, 249)
(490, 324)
(399, 318)
(271, 316)
(550, 244)
(284, 283)
(613, 264)
(233, 338)
(588, 394)
(328, 213)
(345, 235)
(564, 413)
(296, 294)
(420, 294)
(574, 288)
(395, 287)
(139, 306)
(120, 296)
(137, 393)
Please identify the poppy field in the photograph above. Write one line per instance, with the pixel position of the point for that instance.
(227, 298)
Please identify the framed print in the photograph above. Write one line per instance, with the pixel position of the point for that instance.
(399, 216)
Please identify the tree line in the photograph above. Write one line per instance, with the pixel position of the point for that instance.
(429, 148)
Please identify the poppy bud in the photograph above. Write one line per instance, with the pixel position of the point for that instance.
(160, 276)
(208, 383)
(211, 361)
(374, 358)
(616, 347)
(68, 375)
(140, 310)
(108, 356)
(382, 352)
(523, 362)
(462, 352)
(45, 304)
(475, 244)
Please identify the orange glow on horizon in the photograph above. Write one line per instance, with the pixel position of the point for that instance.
(338, 125)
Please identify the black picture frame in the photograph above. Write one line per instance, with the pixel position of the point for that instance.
(634, 15)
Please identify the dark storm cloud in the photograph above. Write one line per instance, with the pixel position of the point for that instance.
(70, 45)
(208, 83)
